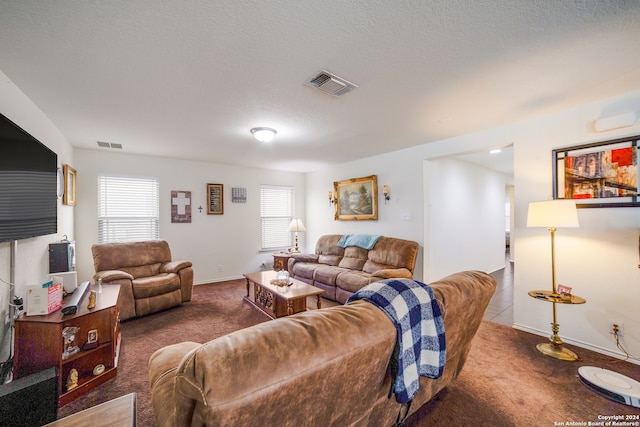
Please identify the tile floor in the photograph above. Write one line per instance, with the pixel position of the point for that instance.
(500, 309)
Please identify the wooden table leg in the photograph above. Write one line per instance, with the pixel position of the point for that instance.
(318, 303)
(247, 288)
(289, 307)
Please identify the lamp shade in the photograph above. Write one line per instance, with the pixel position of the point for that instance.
(296, 225)
(553, 214)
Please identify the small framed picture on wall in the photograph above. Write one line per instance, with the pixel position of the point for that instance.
(215, 199)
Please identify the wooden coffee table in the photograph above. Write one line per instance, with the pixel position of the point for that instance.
(277, 301)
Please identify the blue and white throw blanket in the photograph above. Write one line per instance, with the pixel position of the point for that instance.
(421, 347)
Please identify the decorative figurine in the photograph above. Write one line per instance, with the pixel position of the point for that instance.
(70, 347)
(92, 299)
(72, 379)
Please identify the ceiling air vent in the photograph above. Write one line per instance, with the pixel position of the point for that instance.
(331, 84)
(103, 144)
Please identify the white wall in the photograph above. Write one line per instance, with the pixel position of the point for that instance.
(464, 217)
(599, 259)
(478, 198)
(32, 261)
(401, 171)
(32, 257)
(230, 241)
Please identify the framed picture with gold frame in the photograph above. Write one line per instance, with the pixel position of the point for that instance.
(356, 198)
(215, 199)
(69, 196)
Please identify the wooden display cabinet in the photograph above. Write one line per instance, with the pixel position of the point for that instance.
(40, 344)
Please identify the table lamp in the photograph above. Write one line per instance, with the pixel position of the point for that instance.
(296, 225)
(554, 214)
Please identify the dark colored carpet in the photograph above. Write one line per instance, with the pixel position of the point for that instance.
(506, 381)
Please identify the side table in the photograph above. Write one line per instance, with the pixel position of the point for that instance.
(554, 348)
(95, 344)
(281, 261)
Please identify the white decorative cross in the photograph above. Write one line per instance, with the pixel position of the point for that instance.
(181, 202)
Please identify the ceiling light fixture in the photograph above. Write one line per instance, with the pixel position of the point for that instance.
(263, 134)
(495, 151)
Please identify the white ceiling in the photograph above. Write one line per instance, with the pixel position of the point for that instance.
(188, 79)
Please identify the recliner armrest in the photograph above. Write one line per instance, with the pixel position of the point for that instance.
(111, 275)
(394, 273)
(305, 257)
(163, 366)
(174, 266)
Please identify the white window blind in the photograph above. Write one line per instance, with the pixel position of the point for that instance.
(128, 208)
(276, 212)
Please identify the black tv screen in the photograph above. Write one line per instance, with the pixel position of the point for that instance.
(28, 185)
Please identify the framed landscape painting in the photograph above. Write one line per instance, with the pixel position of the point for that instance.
(598, 175)
(356, 198)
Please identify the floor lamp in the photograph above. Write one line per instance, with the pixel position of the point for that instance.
(554, 214)
(296, 225)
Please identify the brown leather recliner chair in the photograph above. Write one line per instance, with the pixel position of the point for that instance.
(149, 280)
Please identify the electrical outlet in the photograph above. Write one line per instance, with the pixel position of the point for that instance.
(620, 326)
(220, 269)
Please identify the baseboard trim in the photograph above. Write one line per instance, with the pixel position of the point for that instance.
(591, 347)
(224, 279)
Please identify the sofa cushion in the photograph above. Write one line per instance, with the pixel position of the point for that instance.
(115, 256)
(391, 253)
(143, 270)
(352, 280)
(328, 250)
(163, 283)
(156, 303)
(354, 258)
(304, 271)
(327, 274)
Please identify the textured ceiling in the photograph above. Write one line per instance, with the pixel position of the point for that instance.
(188, 79)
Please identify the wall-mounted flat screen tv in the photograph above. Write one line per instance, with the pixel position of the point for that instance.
(28, 185)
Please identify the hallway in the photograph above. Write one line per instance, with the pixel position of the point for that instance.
(500, 309)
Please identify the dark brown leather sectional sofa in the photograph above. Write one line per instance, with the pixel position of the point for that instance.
(326, 367)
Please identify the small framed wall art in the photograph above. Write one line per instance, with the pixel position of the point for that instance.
(69, 195)
(181, 206)
(598, 175)
(239, 195)
(356, 198)
(215, 199)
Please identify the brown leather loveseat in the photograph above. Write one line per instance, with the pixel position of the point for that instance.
(341, 272)
(149, 279)
(327, 367)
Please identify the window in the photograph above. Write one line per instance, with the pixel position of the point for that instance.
(128, 208)
(276, 212)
